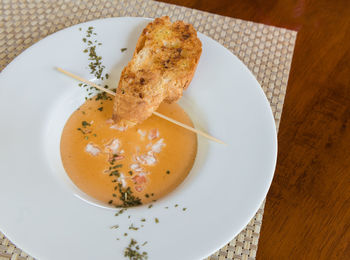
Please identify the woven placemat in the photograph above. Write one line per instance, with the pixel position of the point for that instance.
(266, 50)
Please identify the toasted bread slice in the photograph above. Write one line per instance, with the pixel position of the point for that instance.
(163, 65)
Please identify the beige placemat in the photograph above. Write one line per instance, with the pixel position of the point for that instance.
(266, 50)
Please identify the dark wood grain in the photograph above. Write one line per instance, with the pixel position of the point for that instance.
(307, 213)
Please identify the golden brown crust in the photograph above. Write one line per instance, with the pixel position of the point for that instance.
(163, 64)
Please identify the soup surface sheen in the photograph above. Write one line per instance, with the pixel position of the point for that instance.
(126, 167)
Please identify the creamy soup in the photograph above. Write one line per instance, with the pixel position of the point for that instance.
(126, 167)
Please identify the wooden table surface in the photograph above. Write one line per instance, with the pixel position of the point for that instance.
(307, 212)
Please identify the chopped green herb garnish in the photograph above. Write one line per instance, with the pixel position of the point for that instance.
(127, 197)
(176, 205)
(150, 206)
(184, 209)
(132, 252)
(116, 173)
(95, 61)
(143, 220)
(167, 172)
(81, 130)
(100, 109)
(85, 124)
(121, 211)
(102, 96)
(110, 202)
(156, 220)
(123, 49)
(133, 228)
(115, 227)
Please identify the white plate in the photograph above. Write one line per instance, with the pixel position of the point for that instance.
(42, 212)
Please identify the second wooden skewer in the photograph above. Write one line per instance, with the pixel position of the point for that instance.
(155, 113)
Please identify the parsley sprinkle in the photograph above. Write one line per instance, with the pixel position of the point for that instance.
(115, 227)
(133, 228)
(100, 108)
(85, 124)
(132, 252)
(123, 49)
(116, 173)
(119, 212)
(167, 172)
(156, 220)
(127, 197)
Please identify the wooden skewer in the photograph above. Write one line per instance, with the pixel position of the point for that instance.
(188, 127)
(155, 113)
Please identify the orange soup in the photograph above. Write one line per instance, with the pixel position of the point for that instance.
(126, 167)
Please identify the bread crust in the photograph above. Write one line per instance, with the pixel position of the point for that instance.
(163, 65)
